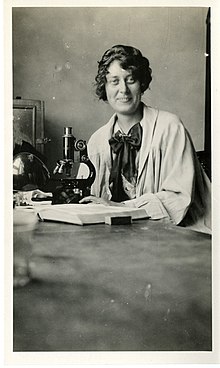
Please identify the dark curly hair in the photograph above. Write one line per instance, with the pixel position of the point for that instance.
(129, 58)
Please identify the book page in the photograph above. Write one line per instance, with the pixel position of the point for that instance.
(86, 213)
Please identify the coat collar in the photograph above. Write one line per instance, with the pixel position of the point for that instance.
(148, 124)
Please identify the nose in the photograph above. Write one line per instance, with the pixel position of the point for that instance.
(123, 88)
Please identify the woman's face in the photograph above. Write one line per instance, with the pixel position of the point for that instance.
(122, 90)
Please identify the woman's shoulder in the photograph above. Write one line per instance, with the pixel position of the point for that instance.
(97, 141)
(163, 125)
(164, 116)
(104, 130)
(166, 121)
(169, 118)
(98, 138)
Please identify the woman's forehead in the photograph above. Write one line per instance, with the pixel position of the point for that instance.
(116, 69)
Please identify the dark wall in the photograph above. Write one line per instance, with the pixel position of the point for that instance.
(55, 54)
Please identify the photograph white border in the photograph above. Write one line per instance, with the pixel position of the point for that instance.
(118, 358)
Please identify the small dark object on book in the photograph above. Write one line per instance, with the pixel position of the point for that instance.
(118, 220)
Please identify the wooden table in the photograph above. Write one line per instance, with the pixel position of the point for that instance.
(139, 287)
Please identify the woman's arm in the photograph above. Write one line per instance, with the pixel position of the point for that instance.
(182, 187)
(98, 200)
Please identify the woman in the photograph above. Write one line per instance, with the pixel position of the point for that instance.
(144, 157)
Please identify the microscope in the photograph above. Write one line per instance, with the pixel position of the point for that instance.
(75, 172)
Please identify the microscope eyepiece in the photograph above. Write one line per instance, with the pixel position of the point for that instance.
(68, 144)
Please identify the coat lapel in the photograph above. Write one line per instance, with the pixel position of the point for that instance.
(148, 124)
(106, 146)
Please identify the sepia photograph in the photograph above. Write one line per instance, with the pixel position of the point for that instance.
(111, 246)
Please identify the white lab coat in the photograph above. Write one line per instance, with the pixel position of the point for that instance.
(171, 182)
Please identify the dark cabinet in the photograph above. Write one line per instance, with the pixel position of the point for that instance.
(205, 156)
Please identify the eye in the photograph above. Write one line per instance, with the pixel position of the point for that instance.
(114, 81)
(131, 79)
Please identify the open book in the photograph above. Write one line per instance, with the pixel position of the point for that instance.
(81, 214)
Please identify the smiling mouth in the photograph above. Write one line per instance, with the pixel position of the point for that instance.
(124, 99)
